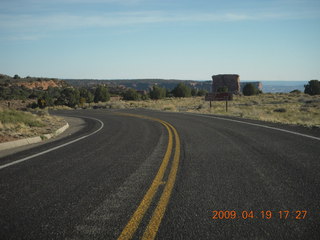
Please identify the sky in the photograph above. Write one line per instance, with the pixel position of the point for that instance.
(171, 39)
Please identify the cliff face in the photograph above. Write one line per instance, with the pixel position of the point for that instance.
(42, 84)
(232, 81)
(31, 82)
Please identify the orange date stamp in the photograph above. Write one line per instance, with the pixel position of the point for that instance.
(265, 214)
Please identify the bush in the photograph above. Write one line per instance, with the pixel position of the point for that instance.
(249, 89)
(131, 94)
(296, 91)
(194, 92)
(69, 97)
(86, 95)
(202, 92)
(32, 105)
(101, 94)
(312, 88)
(181, 90)
(157, 92)
(280, 110)
(42, 103)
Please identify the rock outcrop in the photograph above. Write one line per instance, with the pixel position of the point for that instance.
(42, 84)
(231, 81)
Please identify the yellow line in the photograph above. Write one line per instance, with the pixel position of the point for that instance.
(154, 223)
(136, 218)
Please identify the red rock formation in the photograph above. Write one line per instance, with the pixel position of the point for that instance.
(43, 84)
(232, 81)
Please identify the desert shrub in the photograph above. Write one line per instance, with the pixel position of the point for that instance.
(5, 93)
(280, 110)
(42, 103)
(296, 91)
(32, 105)
(86, 95)
(194, 92)
(312, 88)
(181, 90)
(54, 92)
(249, 89)
(157, 92)
(101, 94)
(69, 97)
(202, 92)
(16, 76)
(131, 94)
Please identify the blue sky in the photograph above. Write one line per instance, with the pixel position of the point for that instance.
(172, 39)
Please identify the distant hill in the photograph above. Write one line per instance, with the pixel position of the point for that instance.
(31, 82)
(141, 84)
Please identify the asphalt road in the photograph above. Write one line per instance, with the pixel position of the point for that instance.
(224, 179)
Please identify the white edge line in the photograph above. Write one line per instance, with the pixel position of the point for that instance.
(257, 125)
(54, 148)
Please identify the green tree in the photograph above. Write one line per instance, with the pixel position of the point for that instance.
(194, 92)
(202, 92)
(131, 94)
(101, 94)
(16, 76)
(42, 103)
(296, 91)
(181, 90)
(87, 95)
(69, 97)
(249, 89)
(157, 92)
(82, 101)
(312, 88)
(5, 93)
(48, 99)
(54, 92)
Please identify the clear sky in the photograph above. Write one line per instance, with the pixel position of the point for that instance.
(172, 39)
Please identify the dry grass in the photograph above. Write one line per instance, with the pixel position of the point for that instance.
(298, 109)
(16, 124)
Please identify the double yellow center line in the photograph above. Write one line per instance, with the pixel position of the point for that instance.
(154, 223)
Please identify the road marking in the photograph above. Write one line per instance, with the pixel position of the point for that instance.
(54, 148)
(154, 223)
(135, 220)
(255, 124)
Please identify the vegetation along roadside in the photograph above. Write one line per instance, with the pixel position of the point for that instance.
(24, 103)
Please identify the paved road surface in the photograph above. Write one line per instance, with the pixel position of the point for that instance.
(92, 187)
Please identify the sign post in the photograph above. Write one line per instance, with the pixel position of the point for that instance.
(226, 104)
(217, 96)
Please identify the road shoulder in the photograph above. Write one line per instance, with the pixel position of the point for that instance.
(75, 124)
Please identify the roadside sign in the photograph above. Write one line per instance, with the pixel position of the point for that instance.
(219, 96)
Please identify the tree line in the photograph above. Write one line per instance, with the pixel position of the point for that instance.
(157, 92)
(72, 97)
